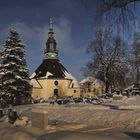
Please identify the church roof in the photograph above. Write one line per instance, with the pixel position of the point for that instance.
(52, 69)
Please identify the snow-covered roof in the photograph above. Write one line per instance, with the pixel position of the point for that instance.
(33, 75)
(53, 69)
(97, 81)
(69, 76)
(49, 74)
(92, 80)
(88, 79)
(35, 83)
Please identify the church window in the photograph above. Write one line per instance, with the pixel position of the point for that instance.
(56, 83)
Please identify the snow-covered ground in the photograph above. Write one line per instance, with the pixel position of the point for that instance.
(81, 122)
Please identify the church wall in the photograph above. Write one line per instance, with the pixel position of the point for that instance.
(47, 88)
(75, 92)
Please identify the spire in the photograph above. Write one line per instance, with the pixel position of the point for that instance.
(51, 24)
(51, 51)
(51, 32)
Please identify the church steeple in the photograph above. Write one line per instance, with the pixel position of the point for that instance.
(51, 51)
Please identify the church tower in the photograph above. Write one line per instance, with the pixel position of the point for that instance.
(51, 78)
(51, 51)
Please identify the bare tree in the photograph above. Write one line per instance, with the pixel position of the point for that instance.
(108, 59)
(135, 60)
(120, 12)
(108, 5)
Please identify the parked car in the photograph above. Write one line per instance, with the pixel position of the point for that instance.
(125, 93)
(135, 91)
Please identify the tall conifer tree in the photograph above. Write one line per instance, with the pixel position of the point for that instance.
(14, 73)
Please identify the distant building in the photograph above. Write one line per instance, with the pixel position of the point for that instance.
(51, 78)
(91, 86)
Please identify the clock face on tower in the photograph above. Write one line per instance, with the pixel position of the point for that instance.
(52, 56)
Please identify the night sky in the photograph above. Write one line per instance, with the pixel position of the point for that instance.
(73, 24)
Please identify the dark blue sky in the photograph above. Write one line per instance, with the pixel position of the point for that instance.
(73, 26)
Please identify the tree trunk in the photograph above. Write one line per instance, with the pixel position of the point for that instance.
(106, 86)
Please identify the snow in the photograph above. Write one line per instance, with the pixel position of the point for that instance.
(2, 73)
(8, 81)
(87, 79)
(23, 70)
(9, 49)
(35, 83)
(22, 44)
(9, 39)
(10, 63)
(33, 75)
(5, 65)
(2, 57)
(99, 82)
(48, 74)
(18, 77)
(13, 87)
(92, 80)
(8, 55)
(13, 56)
(63, 72)
(97, 116)
(7, 72)
(13, 63)
(74, 81)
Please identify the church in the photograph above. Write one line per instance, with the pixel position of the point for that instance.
(51, 78)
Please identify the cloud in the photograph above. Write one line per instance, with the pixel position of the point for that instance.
(36, 37)
(62, 29)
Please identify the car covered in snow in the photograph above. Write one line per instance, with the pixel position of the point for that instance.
(135, 91)
(125, 93)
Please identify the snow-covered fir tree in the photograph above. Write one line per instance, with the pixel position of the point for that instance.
(0, 74)
(14, 73)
